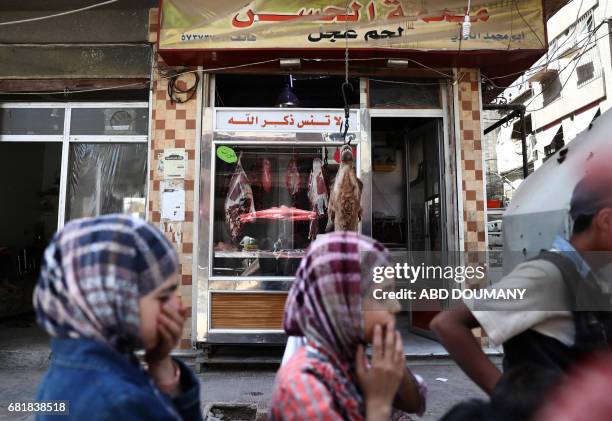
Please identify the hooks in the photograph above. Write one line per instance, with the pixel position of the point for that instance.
(346, 86)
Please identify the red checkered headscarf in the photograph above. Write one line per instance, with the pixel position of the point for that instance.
(325, 302)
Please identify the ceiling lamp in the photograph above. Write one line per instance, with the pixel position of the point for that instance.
(287, 97)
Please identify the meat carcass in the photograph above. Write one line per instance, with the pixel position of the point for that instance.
(317, 195)
(293, 180)
(266, 177)
(283, 213)
(344, 212)
(239, 200)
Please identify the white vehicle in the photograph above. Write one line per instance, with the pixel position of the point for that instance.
(539, 209)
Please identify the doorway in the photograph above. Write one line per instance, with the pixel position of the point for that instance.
(29, 192)
(407, 201)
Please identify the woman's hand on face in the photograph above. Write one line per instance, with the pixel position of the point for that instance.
(170, 328)
(380, 380)
(171, 319)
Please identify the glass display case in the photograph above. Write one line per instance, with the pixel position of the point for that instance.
(266, 177)
(269, 203)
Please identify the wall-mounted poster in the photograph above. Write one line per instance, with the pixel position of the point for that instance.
(172, 200)
(175, 162)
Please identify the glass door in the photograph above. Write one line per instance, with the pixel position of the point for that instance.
(406, 200)
(60, 161)
(30, 168)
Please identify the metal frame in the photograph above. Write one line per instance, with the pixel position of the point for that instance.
(66, 139)
(196, 199)
(444, 153)
(203, 259)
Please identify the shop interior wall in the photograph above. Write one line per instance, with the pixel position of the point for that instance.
(21, 187)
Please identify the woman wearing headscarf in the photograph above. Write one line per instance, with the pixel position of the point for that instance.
(107, 288)
(329, 305)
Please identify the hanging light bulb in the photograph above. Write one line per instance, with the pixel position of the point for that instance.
(467, 24)
(465, 27)
(287, 97)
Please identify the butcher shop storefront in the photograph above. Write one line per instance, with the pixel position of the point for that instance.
(284, 90)
(272, 169)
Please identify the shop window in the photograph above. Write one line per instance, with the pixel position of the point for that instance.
(266, 212)
(304, 91)
(415, 93)
(31, 121)
(109, 121)
(106, 178)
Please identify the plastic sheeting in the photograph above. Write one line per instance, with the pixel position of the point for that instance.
(105, 178)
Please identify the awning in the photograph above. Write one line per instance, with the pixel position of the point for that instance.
(572, 128)
(544, 138)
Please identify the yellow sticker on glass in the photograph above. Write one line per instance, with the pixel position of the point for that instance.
(227, 154)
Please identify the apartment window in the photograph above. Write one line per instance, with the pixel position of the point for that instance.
(589, 67)
(557, 143)
(551, 89)
(569, 40)
(516, 128)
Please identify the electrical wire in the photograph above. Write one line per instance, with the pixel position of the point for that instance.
(379, 58)
(162, 76)
(401, 82)
(79, 91)
(527, 23)
(445, 75)
(56, 15)
(558, 48)
(174, 91)
(576, 61)
(490, 79)
(570, 35)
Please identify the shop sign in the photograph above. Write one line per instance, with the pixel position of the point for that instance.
(294, 120)
(369, 24)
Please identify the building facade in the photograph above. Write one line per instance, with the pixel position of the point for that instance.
(563, 91)
(251, 100)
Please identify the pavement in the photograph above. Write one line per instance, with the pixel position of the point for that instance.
(24, 354)
(447, 385)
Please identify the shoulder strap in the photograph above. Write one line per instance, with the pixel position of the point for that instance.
(593, 328)
(567, 268)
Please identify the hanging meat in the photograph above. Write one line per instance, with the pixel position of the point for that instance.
(266, 177)
(344, 212)
(293, 180)
(282, 213)
(317, 195)
(239, 200)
